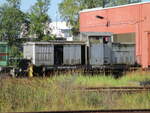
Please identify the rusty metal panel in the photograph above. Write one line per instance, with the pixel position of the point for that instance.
(123, 53)
(44, 54)
(96, 54)
(72, 54)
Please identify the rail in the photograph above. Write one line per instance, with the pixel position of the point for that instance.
(114, 89)
(97, 111)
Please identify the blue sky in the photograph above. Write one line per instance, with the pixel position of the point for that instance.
(26, 4)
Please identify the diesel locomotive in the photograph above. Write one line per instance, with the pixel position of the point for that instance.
(93, 51)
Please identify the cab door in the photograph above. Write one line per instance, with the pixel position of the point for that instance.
(100, 50)
(96, 51)
(107, 49)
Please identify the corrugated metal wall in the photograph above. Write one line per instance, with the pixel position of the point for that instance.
(108, 53)
(44, 54)
(72, 54)
(123, 53)
(96, 54)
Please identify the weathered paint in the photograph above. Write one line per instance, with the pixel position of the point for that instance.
(96, 54)
(28, 51)
(40, 54)
(119, 20)
(4, 53)
(99, 52)
(72, 54)
(84, 36)
(108, 53)
(123, 53)
(44, 55)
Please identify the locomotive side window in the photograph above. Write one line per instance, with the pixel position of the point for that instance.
(124, 38)
(105, 40)
(99, 39)
(96, 39)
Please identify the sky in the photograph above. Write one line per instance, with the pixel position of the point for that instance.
(53, 11)
(26, 4)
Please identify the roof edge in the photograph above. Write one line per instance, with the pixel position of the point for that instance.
(100, 8)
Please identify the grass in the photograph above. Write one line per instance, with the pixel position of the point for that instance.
(56, 93)
(130, 79)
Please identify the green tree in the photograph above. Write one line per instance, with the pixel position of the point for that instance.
(14, 3)
(109, 3)
(11, 19)
(38, 18)
(69, 11)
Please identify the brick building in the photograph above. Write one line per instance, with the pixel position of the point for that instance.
(128, 23)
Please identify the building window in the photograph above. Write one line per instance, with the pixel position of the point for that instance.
(124, 38)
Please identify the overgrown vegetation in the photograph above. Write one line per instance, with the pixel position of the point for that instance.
(17, 27)
(15, 24)
(38, 18)
(131, 79)
(56, 93)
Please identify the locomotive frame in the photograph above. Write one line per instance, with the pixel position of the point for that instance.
(94, 53)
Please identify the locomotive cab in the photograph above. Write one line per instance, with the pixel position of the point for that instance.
(98, 47)
(100, 50)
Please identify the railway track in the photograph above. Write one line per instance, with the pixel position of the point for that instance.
(115, 89)
(97, 111)
(106, 89)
